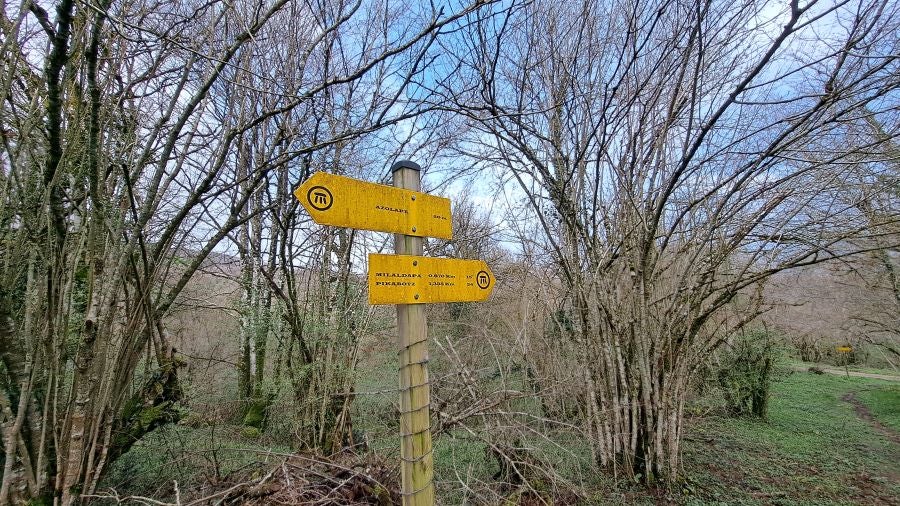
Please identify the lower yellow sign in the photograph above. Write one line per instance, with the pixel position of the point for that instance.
(844, 349)
(408, 279)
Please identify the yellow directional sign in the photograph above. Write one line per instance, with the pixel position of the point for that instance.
(408, 279)
(346, 202)
(844, 349)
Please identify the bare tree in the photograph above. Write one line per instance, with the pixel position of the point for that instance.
(664, 149)
(877, 315)
(136, 138)
(855, 301)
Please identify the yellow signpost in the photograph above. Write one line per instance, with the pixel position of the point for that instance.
(416, 455)
(346, 202)
(844, 350)
(408, 279)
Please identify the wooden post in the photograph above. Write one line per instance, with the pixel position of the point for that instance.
(416, 462)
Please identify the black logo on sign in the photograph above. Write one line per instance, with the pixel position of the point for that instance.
(319, 198)
(483, 279)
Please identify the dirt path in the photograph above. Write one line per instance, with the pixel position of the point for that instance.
(863, 412)
(841, 372)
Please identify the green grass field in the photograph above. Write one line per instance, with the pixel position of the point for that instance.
(813, 449)
(797, 364)
(884, 403)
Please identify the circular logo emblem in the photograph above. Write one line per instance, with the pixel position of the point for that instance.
(483, 279)
(319, 198)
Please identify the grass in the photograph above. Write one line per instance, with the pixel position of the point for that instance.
(813, 449)
(884, 403)
(195, 457)
(460, 457)
(851, 367)
(375, 408)
(873, 370)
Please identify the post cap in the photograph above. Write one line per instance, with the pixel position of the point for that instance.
(405, 164)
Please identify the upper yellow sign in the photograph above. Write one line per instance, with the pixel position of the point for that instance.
(346, 202)
(408, 279)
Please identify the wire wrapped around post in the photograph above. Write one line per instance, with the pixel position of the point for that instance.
(416, 458)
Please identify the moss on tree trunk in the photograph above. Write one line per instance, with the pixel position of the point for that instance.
(154, 405)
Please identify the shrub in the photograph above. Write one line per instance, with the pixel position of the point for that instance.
(745, 372)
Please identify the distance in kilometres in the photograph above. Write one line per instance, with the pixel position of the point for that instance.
(346, 202)
(409, 279)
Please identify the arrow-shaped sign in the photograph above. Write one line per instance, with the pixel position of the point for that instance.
(346, 202)
(408, 279)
